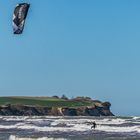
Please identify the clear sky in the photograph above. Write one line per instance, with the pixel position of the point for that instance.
(74, 47)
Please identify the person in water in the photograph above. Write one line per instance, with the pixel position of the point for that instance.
(93, 125)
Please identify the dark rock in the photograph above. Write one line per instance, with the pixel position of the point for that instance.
(92, 112)
(21, 110)
(69, 112)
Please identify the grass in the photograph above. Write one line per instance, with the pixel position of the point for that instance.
(42, 101)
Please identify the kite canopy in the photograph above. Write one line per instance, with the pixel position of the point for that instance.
(19, 17)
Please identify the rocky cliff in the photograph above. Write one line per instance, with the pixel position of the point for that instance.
(97, 109)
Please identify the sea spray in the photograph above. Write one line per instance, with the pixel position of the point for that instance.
(71, 128)
(12, 137)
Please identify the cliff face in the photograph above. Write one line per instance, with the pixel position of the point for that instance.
(21, 110)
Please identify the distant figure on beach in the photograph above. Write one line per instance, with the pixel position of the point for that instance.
(93, 125)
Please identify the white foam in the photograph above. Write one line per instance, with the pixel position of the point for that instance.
(15, 118)
(81, 121)
(12, 137)
(119, 129)
(72, 125)
(136, 118)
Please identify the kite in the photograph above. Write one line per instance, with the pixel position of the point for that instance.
(19, 17)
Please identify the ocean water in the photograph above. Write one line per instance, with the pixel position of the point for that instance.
(69, 128)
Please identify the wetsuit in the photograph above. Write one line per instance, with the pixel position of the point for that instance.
(93, 125)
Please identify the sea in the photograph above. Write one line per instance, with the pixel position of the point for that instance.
(69, 128)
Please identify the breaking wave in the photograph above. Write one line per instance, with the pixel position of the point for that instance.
(46, 127)
(12, 137)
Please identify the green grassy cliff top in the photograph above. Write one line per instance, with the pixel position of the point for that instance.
(45, 101)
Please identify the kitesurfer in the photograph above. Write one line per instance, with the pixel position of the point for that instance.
(93, 125)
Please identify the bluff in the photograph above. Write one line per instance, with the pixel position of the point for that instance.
(75, 107)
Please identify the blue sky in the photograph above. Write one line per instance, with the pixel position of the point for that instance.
(74, 47)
